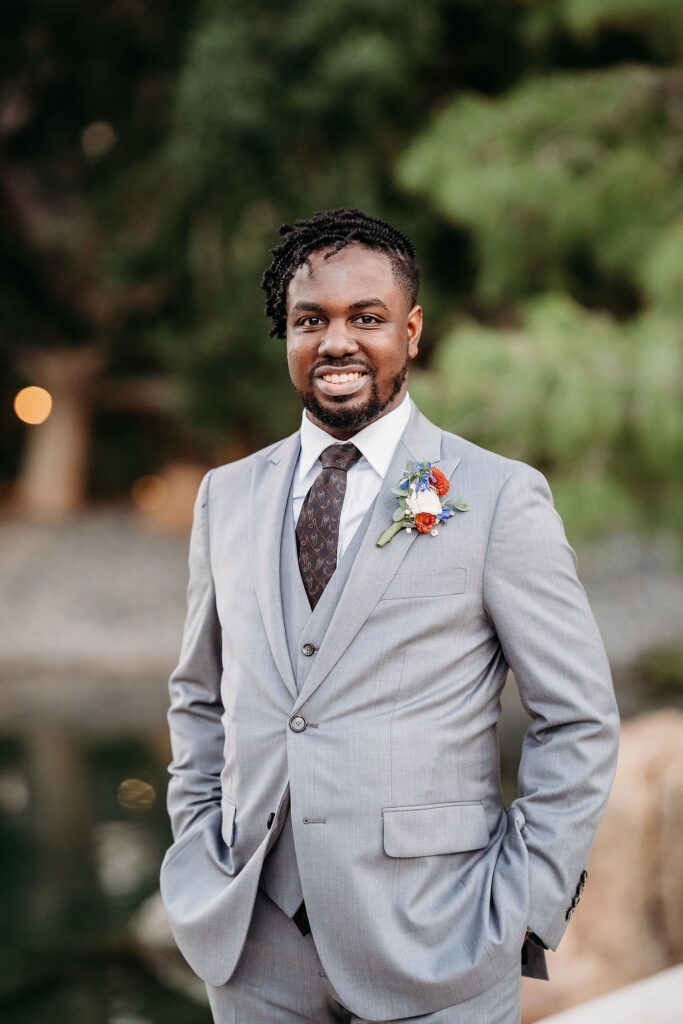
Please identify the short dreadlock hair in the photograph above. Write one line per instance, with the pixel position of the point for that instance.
(333, 230)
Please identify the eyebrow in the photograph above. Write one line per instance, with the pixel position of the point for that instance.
(314, 307)
(362, 303)
(299, 307)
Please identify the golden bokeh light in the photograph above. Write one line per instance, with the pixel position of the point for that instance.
(136, 795)
(33, 405)
(149, 493)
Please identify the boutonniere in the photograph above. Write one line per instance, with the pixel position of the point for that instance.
(419, 493)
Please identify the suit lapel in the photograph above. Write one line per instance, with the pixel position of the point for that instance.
(374, 567)
(268, 505)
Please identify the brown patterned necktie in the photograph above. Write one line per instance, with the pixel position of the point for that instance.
(317, 531)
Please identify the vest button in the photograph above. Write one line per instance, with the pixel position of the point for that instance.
(308, 650)
(297, 724)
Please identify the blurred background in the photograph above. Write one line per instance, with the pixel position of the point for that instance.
(149, 151)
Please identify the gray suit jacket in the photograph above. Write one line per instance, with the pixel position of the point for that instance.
(419, 884)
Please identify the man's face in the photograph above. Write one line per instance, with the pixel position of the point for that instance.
(350, 333)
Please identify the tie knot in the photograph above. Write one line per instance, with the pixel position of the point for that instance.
(340, 456)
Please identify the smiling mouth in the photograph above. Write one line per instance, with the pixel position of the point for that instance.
(342, 378)
(340, 383)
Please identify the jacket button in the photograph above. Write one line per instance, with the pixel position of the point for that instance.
(308, 650)
(297, 724)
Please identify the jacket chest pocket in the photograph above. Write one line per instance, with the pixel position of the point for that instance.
(430, 583)
(424, 830)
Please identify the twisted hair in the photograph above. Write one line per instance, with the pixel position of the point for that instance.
(333, 230)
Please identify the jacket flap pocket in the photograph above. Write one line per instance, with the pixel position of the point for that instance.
(228, 826)
(432, 583)
(427, 829)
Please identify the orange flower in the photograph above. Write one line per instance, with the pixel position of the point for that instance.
(425, 521)
(440, 480)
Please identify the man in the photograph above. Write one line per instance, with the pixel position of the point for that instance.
(342, 851)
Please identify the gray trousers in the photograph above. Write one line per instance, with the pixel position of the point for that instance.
(280, 980)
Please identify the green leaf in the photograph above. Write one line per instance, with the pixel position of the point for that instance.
(398, 515)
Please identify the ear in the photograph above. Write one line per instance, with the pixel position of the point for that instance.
(414, 330)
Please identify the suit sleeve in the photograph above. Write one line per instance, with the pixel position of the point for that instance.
(552, 644)
(194, 716)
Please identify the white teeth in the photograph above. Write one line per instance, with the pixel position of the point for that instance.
(341, 378)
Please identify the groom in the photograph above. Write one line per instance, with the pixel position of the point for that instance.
(341, 847)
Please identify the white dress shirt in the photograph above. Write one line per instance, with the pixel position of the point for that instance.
(376, 443)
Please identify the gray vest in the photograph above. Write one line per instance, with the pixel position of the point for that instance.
(280, 874)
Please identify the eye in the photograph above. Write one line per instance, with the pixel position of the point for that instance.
(367, 319)
(310, 321)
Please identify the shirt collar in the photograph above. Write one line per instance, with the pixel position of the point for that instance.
(376, 442)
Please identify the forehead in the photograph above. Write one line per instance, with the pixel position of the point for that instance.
(353, 273)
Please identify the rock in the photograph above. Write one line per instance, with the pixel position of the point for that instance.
(629, 924)
(657, 1000)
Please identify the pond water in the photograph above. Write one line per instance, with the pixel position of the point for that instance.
(83, 829)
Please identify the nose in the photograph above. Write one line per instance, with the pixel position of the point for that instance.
(337, 340)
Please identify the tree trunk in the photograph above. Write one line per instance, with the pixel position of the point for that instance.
(52, 480)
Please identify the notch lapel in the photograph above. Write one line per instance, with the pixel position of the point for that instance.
(374, 567)
(268, 505)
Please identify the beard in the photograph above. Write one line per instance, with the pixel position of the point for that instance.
(342, 418)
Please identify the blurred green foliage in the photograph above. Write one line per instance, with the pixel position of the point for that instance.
(570, 186)
(533, 151)
(661, 669)
(566, 182)
(657, 22)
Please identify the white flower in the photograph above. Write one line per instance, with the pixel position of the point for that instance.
(423, 501)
